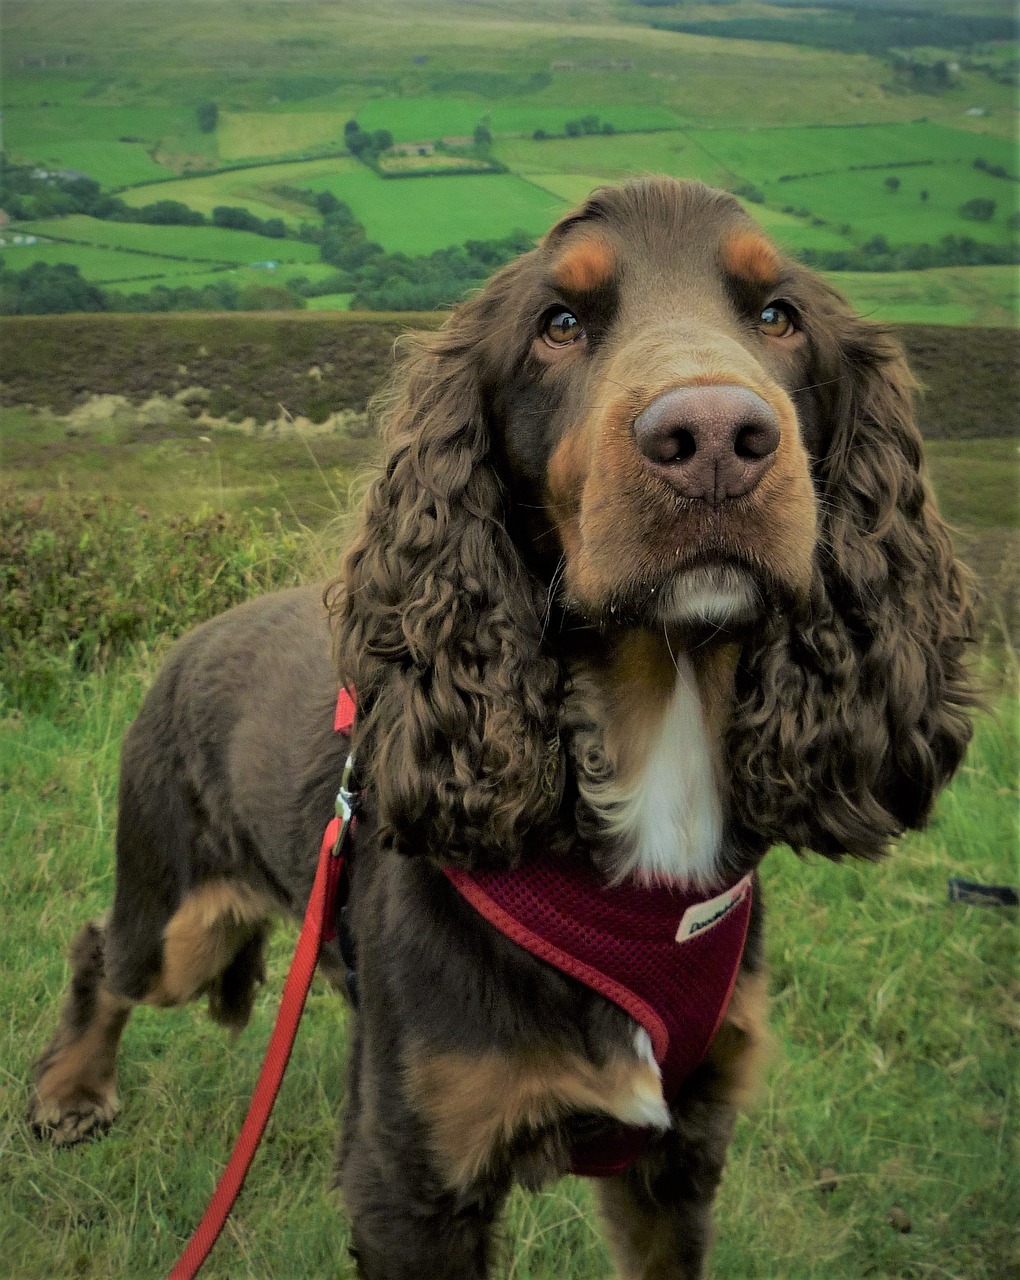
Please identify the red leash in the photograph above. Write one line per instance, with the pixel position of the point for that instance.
(318, 927)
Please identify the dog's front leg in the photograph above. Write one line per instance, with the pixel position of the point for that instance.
(407, 1221)
(658, 1214)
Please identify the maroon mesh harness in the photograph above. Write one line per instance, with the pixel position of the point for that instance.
(668, 956)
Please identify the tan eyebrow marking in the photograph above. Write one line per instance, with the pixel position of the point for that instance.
(586, 265)
(750, 257)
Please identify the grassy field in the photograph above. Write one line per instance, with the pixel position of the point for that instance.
(431, 213)
(251, 187)
(949, 295)
(246, 134)
(115, 99)
(199, 244)
(891, 1088)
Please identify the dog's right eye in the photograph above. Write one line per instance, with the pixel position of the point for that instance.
(561, 327)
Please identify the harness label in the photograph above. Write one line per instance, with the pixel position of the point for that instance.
(706, 915)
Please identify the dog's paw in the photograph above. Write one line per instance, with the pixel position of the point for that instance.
(77, 1117)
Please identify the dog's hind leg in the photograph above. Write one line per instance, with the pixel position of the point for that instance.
(212, 944)
(76, 1074)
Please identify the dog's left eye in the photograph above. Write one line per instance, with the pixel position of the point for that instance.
(776, 321)
(561, 327)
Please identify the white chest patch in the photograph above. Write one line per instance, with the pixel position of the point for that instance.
(670, 819)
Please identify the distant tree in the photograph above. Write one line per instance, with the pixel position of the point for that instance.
(924, 197)
(169, 213)
(978, 210)
(225, 215)
(540, 135)
(483, 135)
(573, 129)
(208, 114)
(382, 140)
(350, 127)
(358, 143)
(47, 289)
(892, 184)
(748, 191)
(326, 202)
(608, 129)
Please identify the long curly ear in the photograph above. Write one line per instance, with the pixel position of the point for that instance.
(851, 717)
(438, 624)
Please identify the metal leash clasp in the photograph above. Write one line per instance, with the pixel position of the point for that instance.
(348, 802)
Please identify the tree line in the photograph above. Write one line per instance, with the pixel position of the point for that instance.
(26, 196)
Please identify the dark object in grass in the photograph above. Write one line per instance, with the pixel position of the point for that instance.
(899, 1220)
(982, 895)
(650, 581)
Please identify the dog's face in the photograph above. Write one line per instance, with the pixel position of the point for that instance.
(658, 423)
(659, 405)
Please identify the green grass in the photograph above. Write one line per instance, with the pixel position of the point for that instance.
(611, 157)
(977, 486)
(199, 244)
(131, 453)
(966, 296)
(422, 214)
(763, 154)
(904, 217)
(890, 1008)
(330, 302)
(243, 134)
(97, 265)
(286, 80)
(428, 118)
(80, 134)
(250, 187)
(241, 276)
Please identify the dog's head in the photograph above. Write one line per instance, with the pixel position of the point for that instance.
(655, 420)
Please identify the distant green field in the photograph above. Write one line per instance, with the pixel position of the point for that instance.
(79, 134)
(949, 295)
(250, 187)
(245, 134)
(330, 302)
(179, 276)
(428, 118)
(905, 216)
(114, 164)
(99, 266)
(793, 233)
(286, 79)
(418, 215)
(200, 244)
(762, 155)
(670, 152)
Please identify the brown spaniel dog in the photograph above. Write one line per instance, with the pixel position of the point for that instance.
(651, 580)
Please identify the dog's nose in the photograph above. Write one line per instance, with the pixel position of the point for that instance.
(709, 442)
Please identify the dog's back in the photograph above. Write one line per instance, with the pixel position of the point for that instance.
(227, 780)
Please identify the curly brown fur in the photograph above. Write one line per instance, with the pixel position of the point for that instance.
(440, 627)
(853, 690)
(862, 696)
(651, 579)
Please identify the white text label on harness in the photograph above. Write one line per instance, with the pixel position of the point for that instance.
(704, 915)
